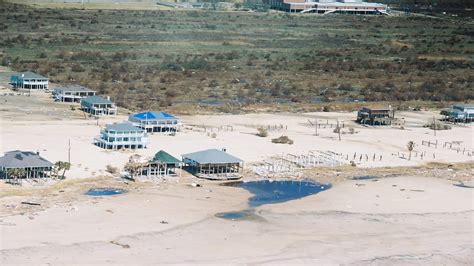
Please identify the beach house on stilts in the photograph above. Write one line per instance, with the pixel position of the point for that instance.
(163, 165)
(29, 80)
(97, 105)
(122, 136)
(214, 164)
(17, 165)
(156, 122)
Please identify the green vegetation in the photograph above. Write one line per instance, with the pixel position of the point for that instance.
(229, 60)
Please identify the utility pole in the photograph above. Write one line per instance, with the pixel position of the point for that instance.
(338, 129)
(69, 152)
(316, 127)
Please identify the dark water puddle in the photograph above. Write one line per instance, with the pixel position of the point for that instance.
(98, 192)
(463, 185)
(364, 177)
(238, 215)
(268, 191)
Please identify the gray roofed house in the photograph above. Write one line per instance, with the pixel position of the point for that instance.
(212, 156)
(122, 136)
(213, 164)
(72, 93)
(97, 105)
(29, 80)
(33, 164)
(122, 127)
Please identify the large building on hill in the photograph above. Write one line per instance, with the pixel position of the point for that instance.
(328, 6)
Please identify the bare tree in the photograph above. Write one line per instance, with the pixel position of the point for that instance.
(410, 146)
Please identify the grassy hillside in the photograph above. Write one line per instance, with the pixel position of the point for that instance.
(176, 59)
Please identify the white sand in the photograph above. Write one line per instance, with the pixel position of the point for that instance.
(432, 227)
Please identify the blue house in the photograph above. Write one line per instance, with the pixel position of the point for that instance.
(159, 122)
(29, 80)
(122, 136)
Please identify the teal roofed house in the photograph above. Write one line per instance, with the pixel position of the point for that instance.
(461, 113)
(122, 136)
(214, 164)
(97, 105)
(29, 80)
(156, 122)
(163, 164)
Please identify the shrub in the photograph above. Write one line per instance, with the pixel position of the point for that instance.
(283, 140)
(111, 169)
(262, 132)
(437, 125)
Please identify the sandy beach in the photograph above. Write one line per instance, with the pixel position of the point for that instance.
(400, 220)
(411, 213)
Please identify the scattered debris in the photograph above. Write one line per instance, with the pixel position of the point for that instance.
(163, 222)
(119, 244)
(30, 203)
(196, 185)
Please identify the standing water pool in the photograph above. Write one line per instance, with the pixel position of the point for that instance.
(269, 191)
(98, 192)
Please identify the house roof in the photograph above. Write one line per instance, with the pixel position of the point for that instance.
(96, 100)
(153, 116)
(165, 157)
(212, 156)
(30, 75)
(74, 88)
(122, 127)
(464, 105)
(376, 108)
(23, 159)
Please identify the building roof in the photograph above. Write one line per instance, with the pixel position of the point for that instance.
(154, 116)
(377, 108)
(165, 157)
(212, 156)
(339, 4)
(30, 75)
(23, 159)
(74, 88)
(464, 105)
(120, 127)
(96, 100)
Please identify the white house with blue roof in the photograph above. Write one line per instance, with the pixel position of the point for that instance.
(97, 105)
(122, 136)
(156, 122)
